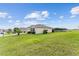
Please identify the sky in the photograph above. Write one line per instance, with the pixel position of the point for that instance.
(62, 15)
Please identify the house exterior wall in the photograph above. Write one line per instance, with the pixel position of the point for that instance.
(28, 29)
(25, 30)
(49, 30)
(40, 30)
(37, 30)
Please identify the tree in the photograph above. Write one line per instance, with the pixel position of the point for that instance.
(60, 29)
(17, 30)
(9, 31)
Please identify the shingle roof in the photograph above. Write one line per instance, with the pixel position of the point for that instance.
(39, 26)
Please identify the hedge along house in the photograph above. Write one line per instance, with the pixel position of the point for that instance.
(38, 28)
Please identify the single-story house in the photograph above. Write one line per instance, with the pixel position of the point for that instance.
(38, 28)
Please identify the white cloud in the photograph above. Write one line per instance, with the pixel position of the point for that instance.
(28, 23)
(3, 14)
(33, 15)
(9, 17)
(75, 10)
(44, 14)
(72, 16)
(16, 24)
(37, 15)
(10, 21)
(24, 23)
(17, 21)
(61, 17)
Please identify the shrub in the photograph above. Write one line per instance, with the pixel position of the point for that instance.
(29, 32)
(44, 31)
(33, 32)
(52, 30)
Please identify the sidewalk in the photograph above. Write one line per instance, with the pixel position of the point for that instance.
(1, 35)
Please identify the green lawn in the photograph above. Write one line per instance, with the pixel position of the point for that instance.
(52, 44)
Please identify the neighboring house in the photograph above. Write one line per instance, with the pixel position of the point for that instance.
(38, 28)
(25, 30)
(1, 32)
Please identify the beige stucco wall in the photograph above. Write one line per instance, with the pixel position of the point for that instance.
(26, 30)
(40, 30)
(49, 30)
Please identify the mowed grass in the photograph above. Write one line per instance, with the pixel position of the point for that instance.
(51, 44)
